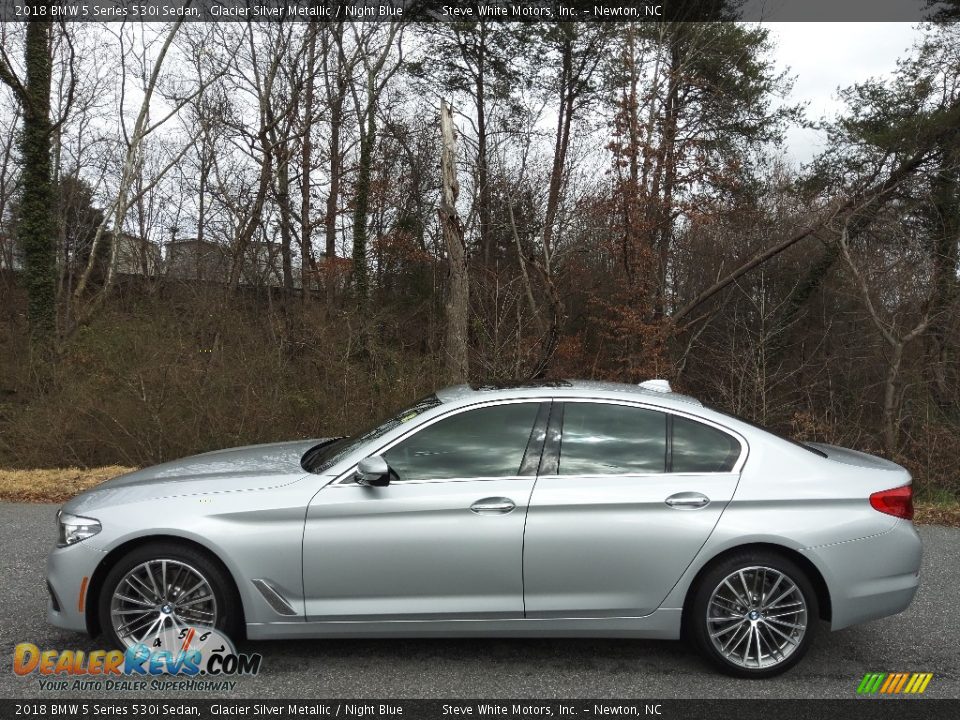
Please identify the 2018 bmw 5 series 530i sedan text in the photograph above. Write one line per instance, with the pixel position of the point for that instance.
(563, 509)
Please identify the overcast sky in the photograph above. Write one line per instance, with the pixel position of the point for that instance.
(826, 56)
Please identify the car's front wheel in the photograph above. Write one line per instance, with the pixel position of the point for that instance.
(164, 586)
(754, 614)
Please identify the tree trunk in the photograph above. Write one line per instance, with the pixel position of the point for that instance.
(286, 217)
(891, 405)
(36, 229)
(280, 148)
(458, 301)
(336, 92)
(663, 233)
(483, 173)
(249, 228)
(333, 199)
(896, 342)
(306, 162)
(561, 143)
(629, 194)
(361, 201)
(946, 236)
(206, 161)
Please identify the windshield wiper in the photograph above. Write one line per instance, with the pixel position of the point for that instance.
(310, 457)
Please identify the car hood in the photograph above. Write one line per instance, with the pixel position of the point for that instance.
(244, 468)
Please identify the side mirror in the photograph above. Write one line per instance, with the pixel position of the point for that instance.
(373, 471)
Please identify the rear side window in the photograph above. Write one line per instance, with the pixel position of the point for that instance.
(486, 442)
(605, 439)
(701, 448)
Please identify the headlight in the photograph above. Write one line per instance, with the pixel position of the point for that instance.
(72, 528)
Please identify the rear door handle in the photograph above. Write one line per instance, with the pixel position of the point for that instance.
(493, 506)
(687, 501)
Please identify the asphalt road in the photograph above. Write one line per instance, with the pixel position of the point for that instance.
(926, 638)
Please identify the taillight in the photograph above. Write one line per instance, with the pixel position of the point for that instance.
(896, 501)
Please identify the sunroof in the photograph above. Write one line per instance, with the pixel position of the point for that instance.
(516, 384)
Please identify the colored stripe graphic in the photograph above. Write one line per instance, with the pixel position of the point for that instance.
(894, 683)
(871, 683)
(903, 681)
(922, 685)
(889, 682)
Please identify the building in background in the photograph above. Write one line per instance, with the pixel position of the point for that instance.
(137, 256)
(209, 261)
(194, 259)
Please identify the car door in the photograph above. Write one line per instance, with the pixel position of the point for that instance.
(625, 499)
(444, 539)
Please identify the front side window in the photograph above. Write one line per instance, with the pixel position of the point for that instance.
(701, 448)
(605, 439)
(488, 442)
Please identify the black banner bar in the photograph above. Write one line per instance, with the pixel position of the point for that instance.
(479, 10)
(855, 709)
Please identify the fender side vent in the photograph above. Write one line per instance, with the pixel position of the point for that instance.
(273, 597)
(54, 600)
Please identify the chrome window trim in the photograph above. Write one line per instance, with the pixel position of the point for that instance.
(612, 476)
(350, 482)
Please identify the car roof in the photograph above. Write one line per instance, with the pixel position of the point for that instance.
(597, 389)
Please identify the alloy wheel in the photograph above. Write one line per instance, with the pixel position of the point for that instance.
(756, 617)
(157, 595)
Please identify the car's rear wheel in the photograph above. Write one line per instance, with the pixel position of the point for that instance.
(163, 586)
(754, 614)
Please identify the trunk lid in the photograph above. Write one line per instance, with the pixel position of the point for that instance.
(859, 459)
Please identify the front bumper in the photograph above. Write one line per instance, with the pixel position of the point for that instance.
(872, 577)
(69, 572)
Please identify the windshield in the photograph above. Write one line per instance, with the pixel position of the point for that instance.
(323, 456)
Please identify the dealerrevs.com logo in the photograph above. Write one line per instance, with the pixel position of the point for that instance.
(894, 683)
(184, 658)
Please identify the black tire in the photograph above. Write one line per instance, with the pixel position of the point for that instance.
(229, 618)
(753, 564)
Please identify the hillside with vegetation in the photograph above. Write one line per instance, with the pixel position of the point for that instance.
(222, 234)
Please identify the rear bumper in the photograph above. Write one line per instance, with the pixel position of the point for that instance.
(872, 577)
(69, 571)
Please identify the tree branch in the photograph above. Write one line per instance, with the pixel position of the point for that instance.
(879, 192)
(9, 77)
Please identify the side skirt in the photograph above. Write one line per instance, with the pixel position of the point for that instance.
(662, 624)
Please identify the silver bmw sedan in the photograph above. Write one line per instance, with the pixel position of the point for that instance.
(561, 509)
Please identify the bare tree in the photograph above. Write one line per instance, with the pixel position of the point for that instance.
(9, 178)
(338, 67)
(376, 75)
(132, 159)
(458, 301)
(307, 262)
(897, 340)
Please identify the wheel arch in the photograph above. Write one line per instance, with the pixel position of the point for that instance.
(813, 573)
(95, 586)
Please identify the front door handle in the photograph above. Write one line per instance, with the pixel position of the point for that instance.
(493, 506)
(687, 501)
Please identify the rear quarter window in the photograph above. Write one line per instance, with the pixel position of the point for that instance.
(702, 448)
